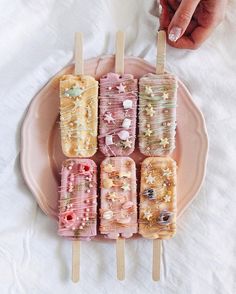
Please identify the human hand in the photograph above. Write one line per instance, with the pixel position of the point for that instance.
(190, 22)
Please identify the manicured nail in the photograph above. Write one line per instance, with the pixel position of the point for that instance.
(174, 34)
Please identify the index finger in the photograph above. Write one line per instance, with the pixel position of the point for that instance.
(194, 40)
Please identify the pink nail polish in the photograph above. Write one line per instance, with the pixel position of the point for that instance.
(174, 34)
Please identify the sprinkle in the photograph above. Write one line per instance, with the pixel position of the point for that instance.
(123, 135)
(150, 179)
(108, 118)
(109, 140)
(126, 123)
(147, 214)
(165, 95)
(127, 144)
(127, 104)
(167, 198)
(150, 193)
(148, 133)
(121, 88)
(149, 111)
(77, 103)
(165, 217)
(112, 196)
(164, 142)
(75, 91)
(167, 172)
(126, 187)
(108, 168)
(148, 90)
(108, 214)
(107, 183)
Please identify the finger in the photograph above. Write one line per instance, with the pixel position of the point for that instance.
(193, 41)
(185, 42)
(181, 19)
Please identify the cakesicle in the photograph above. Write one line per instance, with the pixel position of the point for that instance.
(157, 214)
(118, 105)
(157, 114)
(78, 200)
(78, 115)
(118, 212)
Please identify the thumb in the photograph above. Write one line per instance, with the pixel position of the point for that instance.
(181, 19)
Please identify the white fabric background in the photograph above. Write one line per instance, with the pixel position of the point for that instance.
(36, 40)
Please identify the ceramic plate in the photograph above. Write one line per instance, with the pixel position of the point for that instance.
(42, 156)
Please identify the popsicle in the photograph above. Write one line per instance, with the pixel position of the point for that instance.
(78, 109)
(157, 108)
(118, 106)
(157, 213)
(118, 212)
(77, 219)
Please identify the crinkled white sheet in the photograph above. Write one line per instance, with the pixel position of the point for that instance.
(36, 40)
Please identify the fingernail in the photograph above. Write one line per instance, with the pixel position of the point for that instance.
(174, 34)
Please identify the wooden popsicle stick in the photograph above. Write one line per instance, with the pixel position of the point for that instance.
(156, 260)
(120, 49)
(161, 52)
(120, 258)
(119, 69)
(75, 261)
(79, 60)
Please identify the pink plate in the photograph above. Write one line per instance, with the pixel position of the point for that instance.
(42, 156)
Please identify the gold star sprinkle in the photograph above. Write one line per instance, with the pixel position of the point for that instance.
(148, 133)
(127, 144)
(112, 196)
(165, 95)
(147, 214)
(149, 111)
(126, 187)
(148, 90)
(150, 179)
(77, 103)
(108, 168)
(164, 142)
(167, 172)
(167, 198)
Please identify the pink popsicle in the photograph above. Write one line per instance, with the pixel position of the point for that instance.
(118, 213)
(118, 105)
(78, 200)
